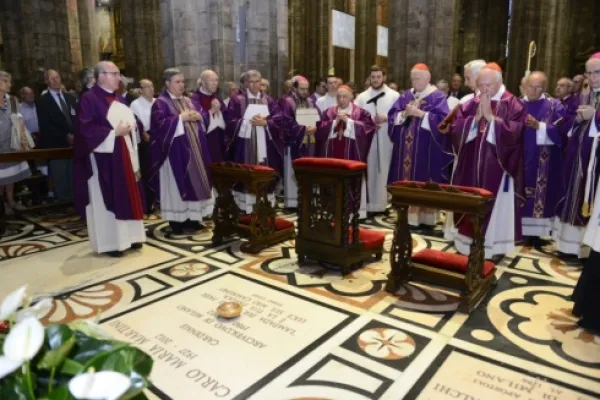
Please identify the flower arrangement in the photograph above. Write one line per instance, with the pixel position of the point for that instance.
(61, 362)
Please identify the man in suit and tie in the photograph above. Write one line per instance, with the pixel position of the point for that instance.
(56, 117)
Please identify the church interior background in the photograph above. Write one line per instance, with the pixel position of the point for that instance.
(321, 334)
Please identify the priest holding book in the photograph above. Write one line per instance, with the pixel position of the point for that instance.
(109, 192)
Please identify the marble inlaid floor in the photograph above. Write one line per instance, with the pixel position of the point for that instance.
(308, 332)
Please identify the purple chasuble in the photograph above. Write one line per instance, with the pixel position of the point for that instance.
(482, 164)
(543, 164)
(187, 154)
(577, 158)
(356, 149)
(419, 154)
(216, 140)
(92, 128)
(293, 133)
(242, 150)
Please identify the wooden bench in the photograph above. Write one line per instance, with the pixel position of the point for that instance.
(261, 227)
(329, 192)
(472, 275)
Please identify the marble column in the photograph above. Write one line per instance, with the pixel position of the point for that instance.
(547, 22)
(365, 54)
(87, 32)
(422, 31)
(37, 36)
(142, 47)
(210, 34)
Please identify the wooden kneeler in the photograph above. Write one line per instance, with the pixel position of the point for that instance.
(329, 191)
(472, 275)
(261, 227)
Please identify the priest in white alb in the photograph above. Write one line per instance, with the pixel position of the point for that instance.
(108, 188)
(377, 100)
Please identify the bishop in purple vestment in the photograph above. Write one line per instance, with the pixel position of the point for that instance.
(180, 157)
(346, 131)
(581, 165)
(420, 152)
(487, 135)
(256, 139)
(543, 138)
(109, 191)
(299, 140)
(209, 103)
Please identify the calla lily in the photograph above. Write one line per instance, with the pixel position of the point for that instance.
(23, 342)
(12, 302)
(90, 328)
(38, 310)
(103, 385)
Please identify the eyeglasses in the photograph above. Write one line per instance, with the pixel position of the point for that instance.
(115, 74)
(592, 73)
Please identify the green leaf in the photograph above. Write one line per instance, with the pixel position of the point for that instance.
(61, 393)
(60, 339)
(15, 387)
(70, 367)
(87, 348)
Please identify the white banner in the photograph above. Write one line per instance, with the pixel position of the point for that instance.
(343, 27)
(382, 41)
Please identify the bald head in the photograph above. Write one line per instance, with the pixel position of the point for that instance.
(146, 89)
(489, 81)
(535, 85)
(287, 86)
(27, 95)
(209, 81)
(107, 75)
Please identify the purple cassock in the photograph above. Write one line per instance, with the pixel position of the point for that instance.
(293, 134)
(420, 152)
(483, 164)
(216, 139)
(188, 153)
(575, 172)
(243, 150)
(543, 152)
(347, 147)
(122, 191)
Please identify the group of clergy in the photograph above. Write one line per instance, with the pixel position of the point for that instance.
(537, 155)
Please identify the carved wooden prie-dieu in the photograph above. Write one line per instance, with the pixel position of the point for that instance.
(261, 227)
(329, 192)
(472, 275)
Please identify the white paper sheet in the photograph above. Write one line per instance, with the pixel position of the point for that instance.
(120, 112)
(254, 109)
(307, 116)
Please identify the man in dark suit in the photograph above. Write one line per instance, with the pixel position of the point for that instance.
(56, 117)
(456, 87)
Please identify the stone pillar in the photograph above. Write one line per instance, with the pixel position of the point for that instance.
(208, 34)
(36, 37)
(422, 31)
(366, 40)
(141, 45)
(547, 22)
(87, 32)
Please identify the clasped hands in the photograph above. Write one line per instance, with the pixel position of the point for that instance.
(413, 111)
(485, 109)
(190, 115)
(380, 118)
(215, 107)
(585, 113)
(123, 129)
(258, 120)
(532, 122)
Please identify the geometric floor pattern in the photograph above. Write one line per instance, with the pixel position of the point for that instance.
(307, 332)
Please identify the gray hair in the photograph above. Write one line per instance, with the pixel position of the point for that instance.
(4, 74)
(169, 73)
(253, 74)
(85, 73)
(266, 81)
(475, 66)
(243, 78)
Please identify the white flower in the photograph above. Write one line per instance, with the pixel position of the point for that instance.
(23, 342)
(12, 302)
(103, 385)
(90, 328)
(38, 310)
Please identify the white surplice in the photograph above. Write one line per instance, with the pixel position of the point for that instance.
(107, 233)
(172, 206)
(380, 153)
(326, 101)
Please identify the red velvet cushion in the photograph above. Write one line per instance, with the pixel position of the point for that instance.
(280, 224)
(448, 261)
(466, 189)
(371, 239)
(263, 168)
(244, 166)
(330, 163)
